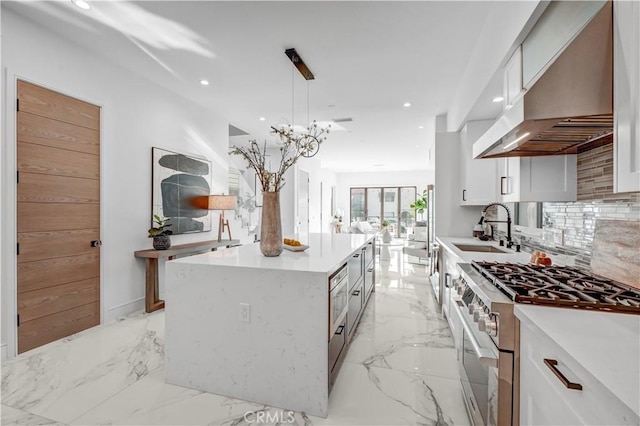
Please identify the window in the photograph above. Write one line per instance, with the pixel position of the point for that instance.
(378, 204)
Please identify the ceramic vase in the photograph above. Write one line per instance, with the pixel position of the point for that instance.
(271, 225)
(386, 236)
(161, 242)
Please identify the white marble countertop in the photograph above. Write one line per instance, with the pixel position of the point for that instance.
(326, 252)
(607, 345)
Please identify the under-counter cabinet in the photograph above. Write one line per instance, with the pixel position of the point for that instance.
(555, 389)
(548, 178)
(477, 176)
(626, 95)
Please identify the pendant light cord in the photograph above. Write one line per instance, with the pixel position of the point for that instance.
(308, 103)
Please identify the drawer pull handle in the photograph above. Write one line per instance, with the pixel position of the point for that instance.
(340, 330)
(553, 366)
(503, 191)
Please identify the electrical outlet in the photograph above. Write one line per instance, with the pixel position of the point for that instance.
(245, 312)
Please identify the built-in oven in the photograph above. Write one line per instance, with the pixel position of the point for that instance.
(478, 361)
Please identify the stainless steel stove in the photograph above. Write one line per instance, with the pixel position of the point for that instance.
(482, 319)
(563, 286)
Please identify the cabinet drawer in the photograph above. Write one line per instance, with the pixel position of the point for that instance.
(356, 296)
(545, 400)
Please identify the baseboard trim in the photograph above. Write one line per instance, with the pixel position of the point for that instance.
(125, 309)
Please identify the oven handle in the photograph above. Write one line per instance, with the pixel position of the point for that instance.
(485, 356)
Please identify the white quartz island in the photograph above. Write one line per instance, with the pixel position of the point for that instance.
(279, 357)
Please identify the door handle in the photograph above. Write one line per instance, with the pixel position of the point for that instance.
(553, 366)
(96, 243)
(502, 186)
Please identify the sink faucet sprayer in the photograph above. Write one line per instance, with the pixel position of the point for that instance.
(508, 221)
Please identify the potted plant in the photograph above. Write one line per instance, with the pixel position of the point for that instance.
(420, 204)
(160, 234)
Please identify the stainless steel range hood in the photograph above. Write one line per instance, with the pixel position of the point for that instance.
(569, 109)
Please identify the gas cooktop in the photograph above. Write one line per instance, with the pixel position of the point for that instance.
(562, 286)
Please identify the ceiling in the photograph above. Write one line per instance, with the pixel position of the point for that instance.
(369, 59)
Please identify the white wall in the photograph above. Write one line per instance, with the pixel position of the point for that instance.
(451, 219)
(346, 181)
(136, 115)
(506, 22)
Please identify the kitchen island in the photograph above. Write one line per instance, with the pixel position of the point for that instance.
(256, 328)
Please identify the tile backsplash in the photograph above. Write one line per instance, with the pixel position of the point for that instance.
(569, 227)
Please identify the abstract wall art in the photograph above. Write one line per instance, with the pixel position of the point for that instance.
(177, 179)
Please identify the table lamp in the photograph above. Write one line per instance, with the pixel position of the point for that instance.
(218, 202)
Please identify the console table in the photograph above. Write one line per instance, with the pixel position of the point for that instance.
(152, 257)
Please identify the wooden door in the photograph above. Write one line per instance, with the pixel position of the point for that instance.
(58, 193)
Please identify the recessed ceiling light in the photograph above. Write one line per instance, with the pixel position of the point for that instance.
(417, 146)
(378, 165)
(262, 118)
(420, 127)
(204, 82)
(407, 104)
(498, 99)
(81, 4)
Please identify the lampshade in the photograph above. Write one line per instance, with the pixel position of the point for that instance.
(222, 202)
(215, 202)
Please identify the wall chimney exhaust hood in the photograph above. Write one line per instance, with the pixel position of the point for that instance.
(569, 109)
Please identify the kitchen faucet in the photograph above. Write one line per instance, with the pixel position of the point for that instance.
(508, 221)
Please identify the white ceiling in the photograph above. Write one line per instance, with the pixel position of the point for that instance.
(369, 58)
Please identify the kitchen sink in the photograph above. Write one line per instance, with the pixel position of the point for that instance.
(479, 248)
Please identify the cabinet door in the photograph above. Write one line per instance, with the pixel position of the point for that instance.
(512, 79)
(509, 179)
(561, 22)
(550, 178)
(477, 177)
(545, 400)
(626, 96)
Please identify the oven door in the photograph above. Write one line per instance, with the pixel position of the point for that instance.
(478, 364)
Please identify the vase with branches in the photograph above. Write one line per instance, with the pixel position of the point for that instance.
(292, 145)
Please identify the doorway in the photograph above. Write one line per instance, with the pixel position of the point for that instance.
(58, 215)
(303, 204)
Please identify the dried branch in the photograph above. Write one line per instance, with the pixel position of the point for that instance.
(292, 147)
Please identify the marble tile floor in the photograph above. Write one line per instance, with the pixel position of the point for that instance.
(400, 370)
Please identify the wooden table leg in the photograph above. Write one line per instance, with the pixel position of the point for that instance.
(152, 301)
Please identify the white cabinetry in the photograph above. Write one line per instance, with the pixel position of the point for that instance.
(549, 178)
(512, 78)
(561, 22)
(626, 97)
(477, 177)
(546, 400)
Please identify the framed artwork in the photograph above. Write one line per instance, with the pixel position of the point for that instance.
(177, 178)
